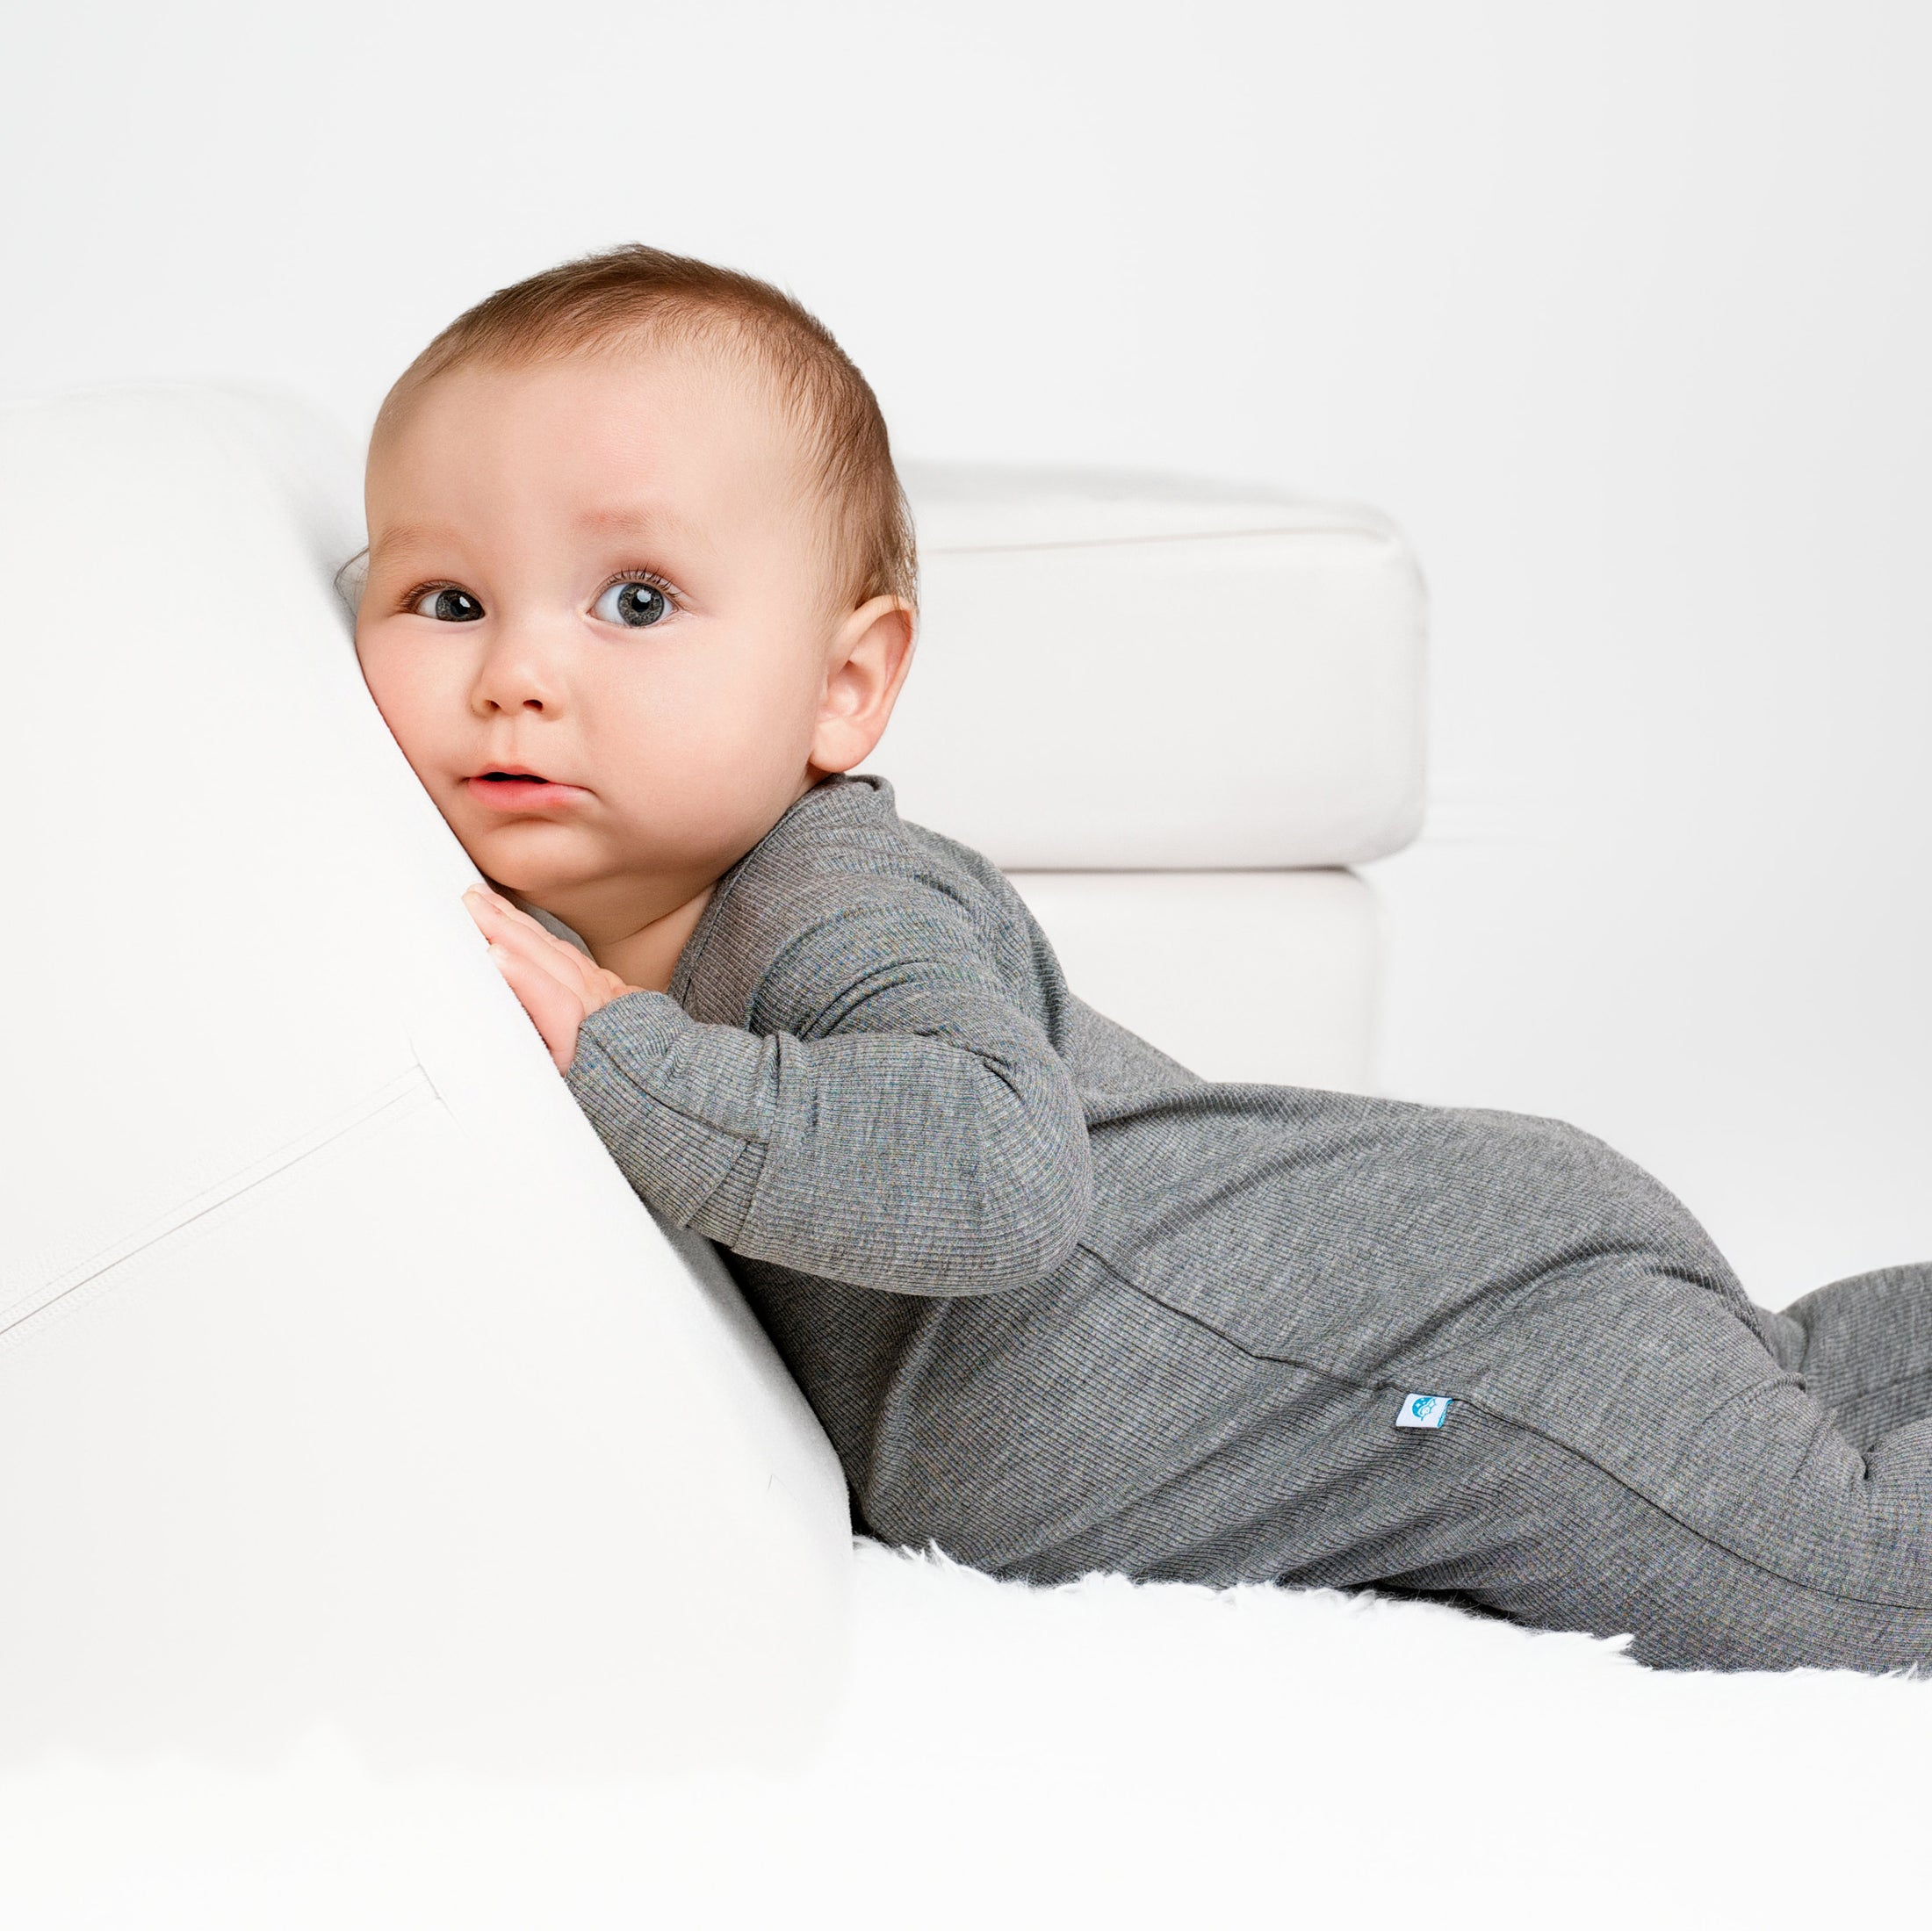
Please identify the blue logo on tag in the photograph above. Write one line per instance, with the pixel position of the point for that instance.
(1422, 1411)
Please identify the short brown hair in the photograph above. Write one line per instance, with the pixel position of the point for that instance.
(605, 298)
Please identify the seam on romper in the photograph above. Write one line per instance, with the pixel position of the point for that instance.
(1527, 1428)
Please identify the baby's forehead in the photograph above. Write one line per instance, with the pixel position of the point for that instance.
(734, 443)
(724, 368)
(752, 445)
(715, 391)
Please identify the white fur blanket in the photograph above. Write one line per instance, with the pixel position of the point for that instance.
(1099, 1754)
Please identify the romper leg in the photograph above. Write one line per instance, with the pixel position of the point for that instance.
(1863, 1347)
(1789, 1524)
(1631, 1444)
(1593, 1555)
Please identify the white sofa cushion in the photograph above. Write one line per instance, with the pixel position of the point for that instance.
(1125, 671)
(343, 1379)
(1240, 976)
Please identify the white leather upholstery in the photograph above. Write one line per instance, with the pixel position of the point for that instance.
(343, 1379)
(1122, 671)
(1242, 976)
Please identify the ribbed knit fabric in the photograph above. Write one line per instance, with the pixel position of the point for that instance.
(1062, 1305)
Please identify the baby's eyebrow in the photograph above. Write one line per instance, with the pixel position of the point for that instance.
(642, 521)
(408, 537)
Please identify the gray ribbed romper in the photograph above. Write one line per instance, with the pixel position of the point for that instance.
(1062, 1305)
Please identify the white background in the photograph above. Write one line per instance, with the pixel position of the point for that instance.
(1620, 310)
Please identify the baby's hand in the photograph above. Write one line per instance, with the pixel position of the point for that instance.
(560, 988)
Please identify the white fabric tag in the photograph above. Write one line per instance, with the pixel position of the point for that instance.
(1422, 1411)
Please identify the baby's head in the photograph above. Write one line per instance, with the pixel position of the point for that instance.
(633, 526)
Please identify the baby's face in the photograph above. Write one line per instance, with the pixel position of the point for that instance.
(604, 569)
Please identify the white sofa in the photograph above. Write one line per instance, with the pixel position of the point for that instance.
(1174, 712)
(343, 1382)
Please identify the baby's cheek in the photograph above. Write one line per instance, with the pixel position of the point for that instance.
(410, 694)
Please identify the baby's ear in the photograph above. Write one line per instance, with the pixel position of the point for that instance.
(869, 657)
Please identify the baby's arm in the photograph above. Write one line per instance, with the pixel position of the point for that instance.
(892, 1118)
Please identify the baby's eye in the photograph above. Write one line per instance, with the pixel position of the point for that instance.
(632, 602)
(448, 603)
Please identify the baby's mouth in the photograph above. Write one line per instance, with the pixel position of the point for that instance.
(516, 788)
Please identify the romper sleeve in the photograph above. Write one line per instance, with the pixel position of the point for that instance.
(890, 1118)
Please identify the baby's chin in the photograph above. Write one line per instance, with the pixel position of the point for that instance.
(526, 880)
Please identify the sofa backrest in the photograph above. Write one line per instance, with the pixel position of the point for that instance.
(1122, 671)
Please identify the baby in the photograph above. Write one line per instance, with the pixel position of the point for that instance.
(640, 595)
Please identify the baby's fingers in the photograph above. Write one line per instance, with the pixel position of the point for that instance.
(529, 940)
(554, 1009)
(483, 902)
(521, 937)
(497, 919)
